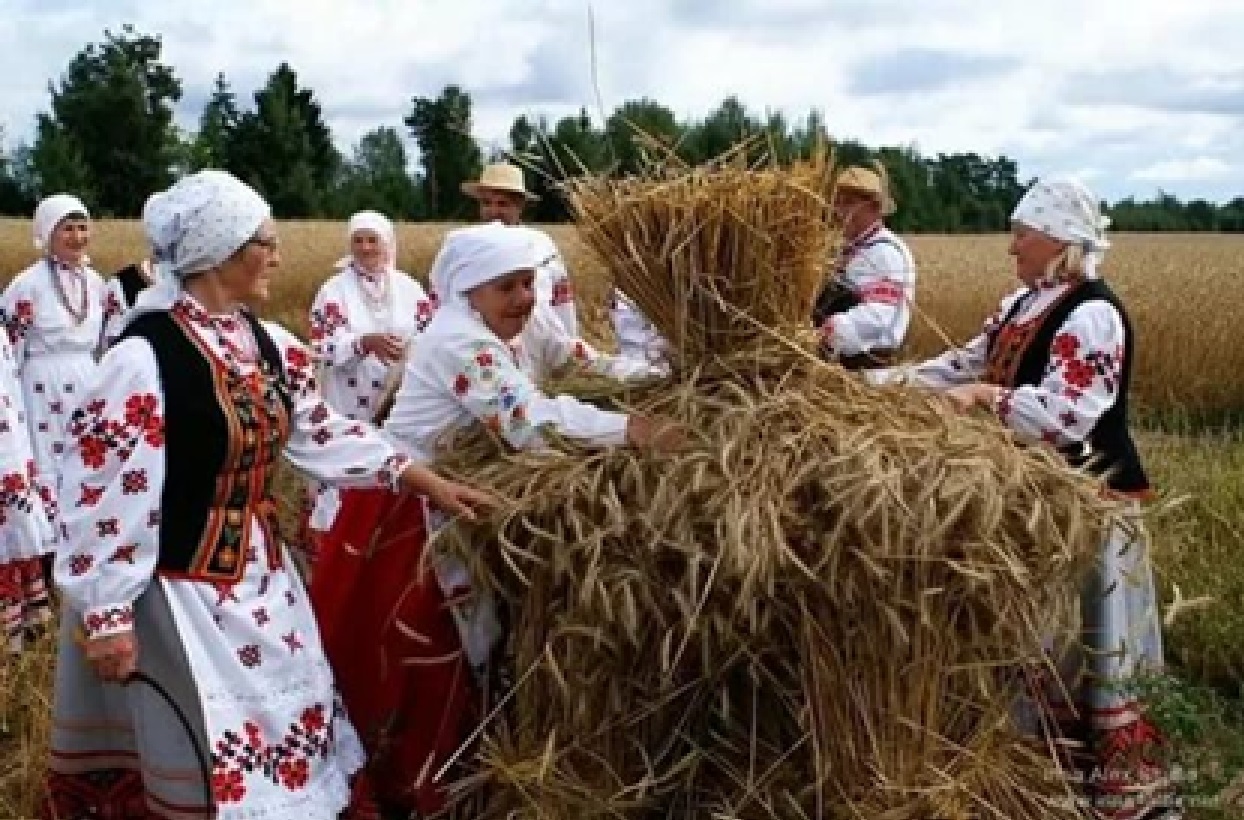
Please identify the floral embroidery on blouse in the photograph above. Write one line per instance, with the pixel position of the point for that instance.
(504, 405)
(19, 321)
(326, 321)
(98, 435)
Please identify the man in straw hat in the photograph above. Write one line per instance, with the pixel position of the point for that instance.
(864, 308)
(502, 194)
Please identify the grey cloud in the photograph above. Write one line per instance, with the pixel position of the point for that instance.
(922, 69)
(558, 74)
(761, 14)
(1117, 158)
(1160, 88)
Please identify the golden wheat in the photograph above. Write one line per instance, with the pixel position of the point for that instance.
(1179, 289)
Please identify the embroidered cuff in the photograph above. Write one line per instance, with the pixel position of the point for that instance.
(390, 473)
(103, 621)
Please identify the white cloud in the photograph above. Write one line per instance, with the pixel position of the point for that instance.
(1197, 169)
(1058, 87)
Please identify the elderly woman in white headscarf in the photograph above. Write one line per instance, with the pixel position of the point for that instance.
(55, 312)
(364, 317)
(175, 581)
(1054, 364)
(363, 320)
(478, 361)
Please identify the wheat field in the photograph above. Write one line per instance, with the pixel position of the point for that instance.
(1181, 291)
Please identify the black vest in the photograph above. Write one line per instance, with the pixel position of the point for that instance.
(132, 283)
(836, 296)
(222, 436)
(1111, 451)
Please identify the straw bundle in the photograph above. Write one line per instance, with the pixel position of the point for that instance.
(818, 609)
(710, 255)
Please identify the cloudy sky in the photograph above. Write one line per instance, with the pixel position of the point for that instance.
(1133, 95)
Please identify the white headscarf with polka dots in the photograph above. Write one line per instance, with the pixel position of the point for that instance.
(195, 226)
(1066, 210)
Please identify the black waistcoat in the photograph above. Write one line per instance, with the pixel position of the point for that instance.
(223, 434)
(132, 283)
(1017, 359)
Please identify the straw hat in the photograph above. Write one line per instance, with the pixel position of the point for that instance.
(499, 176)
(868, 181)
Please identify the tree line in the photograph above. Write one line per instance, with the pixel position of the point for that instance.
(110, 136)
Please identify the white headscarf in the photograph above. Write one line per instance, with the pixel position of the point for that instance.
(1066, 210)
(472, 256)
(194, 226)
(51, 212)
(378, 224)
(202, 220)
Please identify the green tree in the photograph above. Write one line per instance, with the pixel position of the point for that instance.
(634, 127)
(216, 126)
(377, 178)
(534, 149)
(16, 197)
(110, 133)
(284, 148)
(724, 128)
(58, 164)
(448, 154)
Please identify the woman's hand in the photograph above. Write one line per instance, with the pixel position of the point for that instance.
(965, 397)
(387, 347)
(656, 433)
(113, 657)
(451, 497)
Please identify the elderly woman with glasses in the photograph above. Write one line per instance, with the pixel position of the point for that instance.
(191, 681)
(1054, 363)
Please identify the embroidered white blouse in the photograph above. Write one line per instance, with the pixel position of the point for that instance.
(878, 268)
(350, 305)
(25, 525)
(1080, 384)
(114, 466)
(553, 286)
(460, 371)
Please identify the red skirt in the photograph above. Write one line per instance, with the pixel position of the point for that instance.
(393, 645)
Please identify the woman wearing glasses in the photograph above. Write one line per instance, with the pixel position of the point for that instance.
(178, 591)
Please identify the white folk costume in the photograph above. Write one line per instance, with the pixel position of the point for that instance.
(554, 290)
(25, 528)
(1063, 352)
(353, 303)
(168, 530)
(55, 315)
(638, 338)
(417, 711)
(865, 307)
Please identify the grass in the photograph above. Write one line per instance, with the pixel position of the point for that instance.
(1189, 384)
